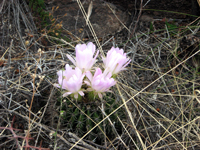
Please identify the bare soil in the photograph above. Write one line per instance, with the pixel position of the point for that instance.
(23, 66)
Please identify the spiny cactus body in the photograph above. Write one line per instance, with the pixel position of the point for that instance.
(77, 118)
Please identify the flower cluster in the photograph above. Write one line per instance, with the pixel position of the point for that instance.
(98, 82)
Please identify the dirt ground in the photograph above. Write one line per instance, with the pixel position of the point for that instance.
(182, 6)
(29, 105)
(151, 10)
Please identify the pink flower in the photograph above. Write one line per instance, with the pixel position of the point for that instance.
(70, 80)
(84, 56)
(99, 83)
(115, 61)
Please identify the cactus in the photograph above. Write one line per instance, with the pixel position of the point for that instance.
(77, 121)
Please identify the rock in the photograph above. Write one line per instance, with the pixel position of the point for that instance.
(102, 18)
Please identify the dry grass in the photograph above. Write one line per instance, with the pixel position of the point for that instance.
(159, 92)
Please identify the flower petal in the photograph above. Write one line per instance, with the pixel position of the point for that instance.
(71, 59)
(84, 56)
(66, 94)
(81, 93)
(99, 82)
(115, 61)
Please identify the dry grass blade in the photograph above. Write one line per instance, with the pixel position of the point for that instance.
(131, 118)
(89, 12)
(155, 104)
(90, 26)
